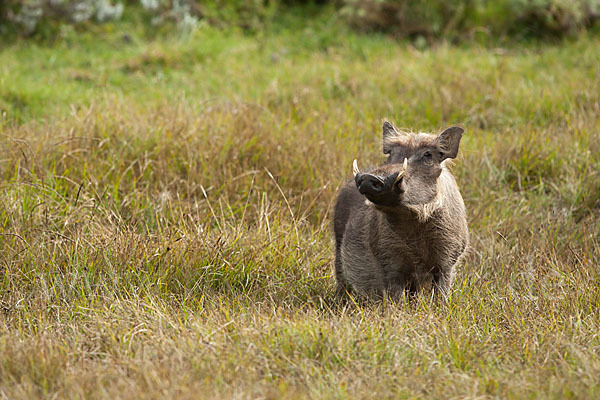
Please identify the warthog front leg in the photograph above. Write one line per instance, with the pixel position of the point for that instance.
(442, 283)
(341, 285)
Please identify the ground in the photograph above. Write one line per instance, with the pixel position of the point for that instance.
(165, 216)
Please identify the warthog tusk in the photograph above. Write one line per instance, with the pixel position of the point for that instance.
(355, 168)
(401, 174)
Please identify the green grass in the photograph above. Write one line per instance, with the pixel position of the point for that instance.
(165, 217)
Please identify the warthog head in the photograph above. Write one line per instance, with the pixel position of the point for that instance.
(410, 175)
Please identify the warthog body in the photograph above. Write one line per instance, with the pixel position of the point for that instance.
(402, 226)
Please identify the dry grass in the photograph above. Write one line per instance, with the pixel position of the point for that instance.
(182, 248)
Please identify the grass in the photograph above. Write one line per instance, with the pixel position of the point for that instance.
(165, 217)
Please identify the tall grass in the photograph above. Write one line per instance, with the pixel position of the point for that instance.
(165, 211)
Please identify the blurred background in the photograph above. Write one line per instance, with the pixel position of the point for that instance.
(452, 20)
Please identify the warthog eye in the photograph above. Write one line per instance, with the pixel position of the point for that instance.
(427, 156)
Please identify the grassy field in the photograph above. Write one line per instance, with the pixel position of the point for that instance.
(165, 217)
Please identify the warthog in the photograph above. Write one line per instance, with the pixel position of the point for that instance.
(402, 226)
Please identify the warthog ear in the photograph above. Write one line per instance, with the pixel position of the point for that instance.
(449, 140)
(388, 132)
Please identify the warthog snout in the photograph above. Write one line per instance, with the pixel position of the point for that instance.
(379, 187)
(371, 184)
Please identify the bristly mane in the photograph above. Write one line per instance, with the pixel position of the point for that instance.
(408, 139)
